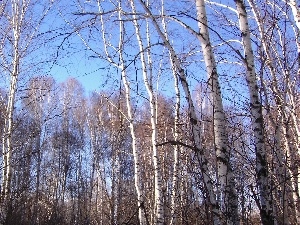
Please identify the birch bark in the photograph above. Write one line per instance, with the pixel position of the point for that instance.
(196, 129)
(227, 193)
(175, 179)
(17, 16)
(130, 116)
(147, 76)
(177, 151)
(256, 118)
(295, 5)
(130, 112)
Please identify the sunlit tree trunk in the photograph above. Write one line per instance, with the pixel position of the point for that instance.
(295, 6)
(294, 144)
(17, 17)
(256, 118)
(177, 151)
(130, 112)
(176, 167)
(148, 76)
(227, 193)
(196, 129)
(130, 118)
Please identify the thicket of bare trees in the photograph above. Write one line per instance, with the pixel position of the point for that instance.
(196, 120)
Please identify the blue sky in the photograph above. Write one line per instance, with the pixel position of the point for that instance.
(74, 60)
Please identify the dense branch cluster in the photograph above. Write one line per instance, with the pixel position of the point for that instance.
(195, 121)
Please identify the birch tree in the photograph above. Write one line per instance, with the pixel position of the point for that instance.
(177, 148)
(17, 17)
(196, 129)
(263, 181)
(130, 117)
(116, 59)
(20, 33)
(148, 76)
(227, 193)
(282, 93)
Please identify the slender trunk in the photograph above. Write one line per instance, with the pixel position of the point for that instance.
(130, 117)
(285, 176)
(38, 175)
(130, 114)
(226, 184)
(8, 126)
(7, 137)
(294, 4)
(196, 129)
(158, 192)
(176, 167)
(257, 120)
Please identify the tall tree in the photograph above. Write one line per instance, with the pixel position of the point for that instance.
(227, 193)
(196, 129)
(262, 171)
(21, 29)
(147, 72)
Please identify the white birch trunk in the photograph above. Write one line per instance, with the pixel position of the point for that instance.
(16, 17)
(296, 157)
(196, 129)
(281, 104)
(8, 127)
(7, 136)
(257, 119)
(295, 5)
(130, 116)
(158, 192)
(286, 180)
(227, 193)
(176, 167)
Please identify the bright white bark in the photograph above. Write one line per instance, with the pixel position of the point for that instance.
(147, 75)
(130, 115)
(17, 16)
(7, 135)
(196, 129)
(295, 6)
(137, 172)
(176, 167)
(274, 62)
(227, 193)
(257, 118)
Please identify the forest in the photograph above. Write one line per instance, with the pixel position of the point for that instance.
(195, 119)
